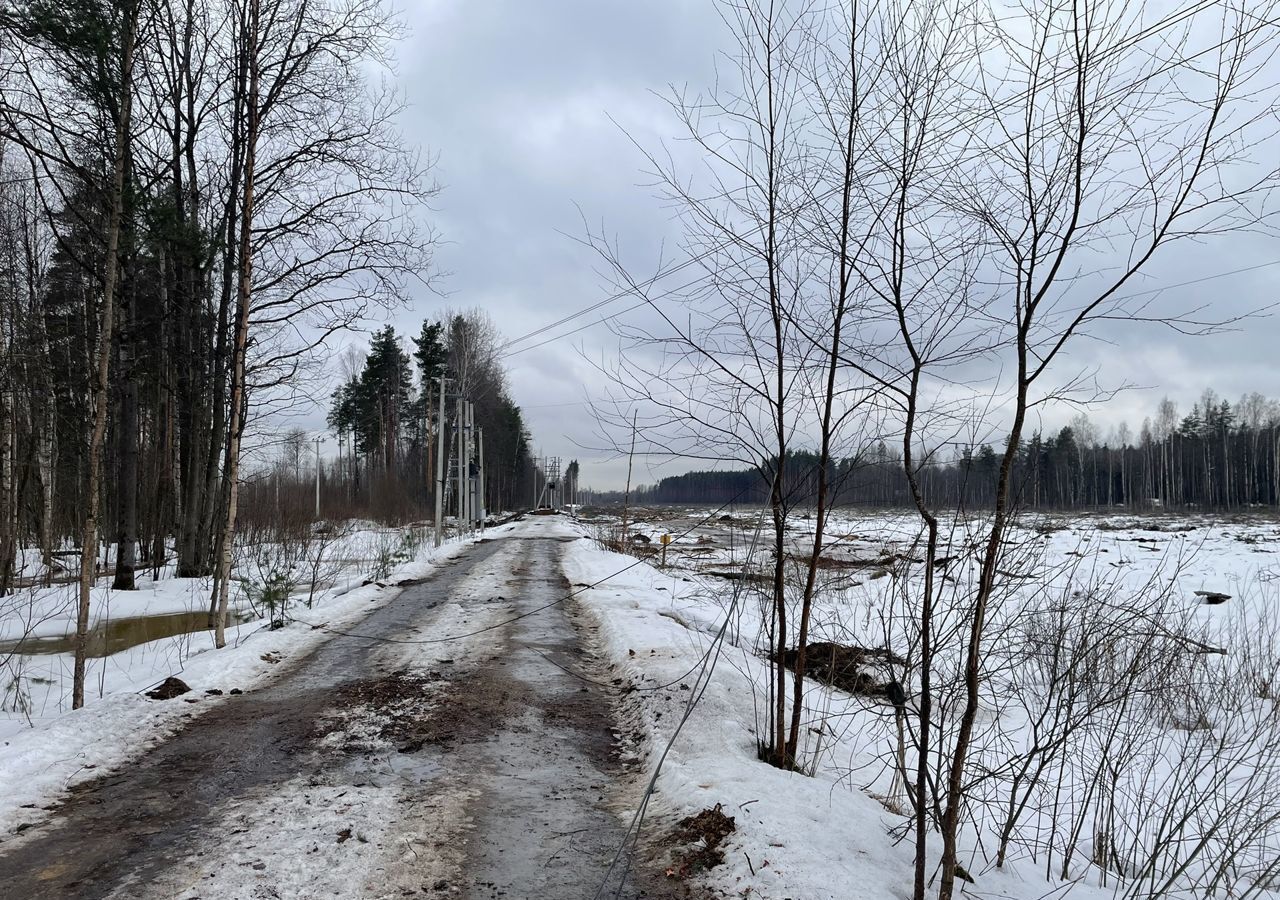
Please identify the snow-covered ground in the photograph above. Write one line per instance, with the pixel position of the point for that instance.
(1191, 808)
(127, 650)
(45, 747)
(1168, 785)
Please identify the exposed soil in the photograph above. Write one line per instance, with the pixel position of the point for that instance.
(468, 710)
(887, 561)
(401, 701)
(169, 688)
(501, 766)
(701, 836)
(753, 577)
(857, 670)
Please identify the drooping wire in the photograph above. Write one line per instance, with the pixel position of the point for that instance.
(703, 681)
(527, 613)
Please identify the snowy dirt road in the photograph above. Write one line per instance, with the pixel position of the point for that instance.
(386, 763)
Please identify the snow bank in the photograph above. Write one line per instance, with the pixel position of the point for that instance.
(43, 754)
(836, 834)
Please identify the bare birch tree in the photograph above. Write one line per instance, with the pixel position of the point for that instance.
(726, 382)
(321, 162)
(1091, 154)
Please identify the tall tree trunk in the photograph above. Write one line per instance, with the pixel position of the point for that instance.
(973, 660)
(89, 534)
(240, 345)
(8, 492)
(166, 518)
(9, 225)
(44, 423)
(214, 498)
(45, 457)
(828, 411)
(127, 480)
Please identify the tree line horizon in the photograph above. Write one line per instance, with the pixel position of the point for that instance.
(1216, 456)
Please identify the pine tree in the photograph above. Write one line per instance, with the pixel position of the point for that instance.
(374, 406)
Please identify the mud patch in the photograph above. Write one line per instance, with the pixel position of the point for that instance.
(470, 709)
(389, 695)
(395, 709)
(580, 712)
(701, 836)
(868, 672)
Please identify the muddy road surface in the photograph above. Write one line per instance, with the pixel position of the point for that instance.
(454, 744)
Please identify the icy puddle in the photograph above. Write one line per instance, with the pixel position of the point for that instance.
(119, 634)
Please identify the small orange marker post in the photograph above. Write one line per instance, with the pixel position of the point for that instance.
(666, 539)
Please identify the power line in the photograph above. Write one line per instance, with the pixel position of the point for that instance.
(1173, 19)
(594, 322)
(703, 681)
(527, 613)
(1142, 293)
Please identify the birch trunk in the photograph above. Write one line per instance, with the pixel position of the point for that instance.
(89, 535)
(241, 340)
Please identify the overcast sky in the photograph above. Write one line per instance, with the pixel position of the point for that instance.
(519, 100)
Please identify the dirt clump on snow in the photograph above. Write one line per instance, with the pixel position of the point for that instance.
(751, 577)
(701, 834)
(867, 671)
(169, 688)
(886, 562)
(398, 703)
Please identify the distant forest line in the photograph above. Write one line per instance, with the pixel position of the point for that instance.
(1218, 455)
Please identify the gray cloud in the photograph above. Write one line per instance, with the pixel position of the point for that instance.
(515, 98)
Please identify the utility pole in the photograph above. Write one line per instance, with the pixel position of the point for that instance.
(427, 443)
(471, 484)
(462, 451)
(464, 468)
(480, 489)
(440, 455)
(317, 478)
(552, 486)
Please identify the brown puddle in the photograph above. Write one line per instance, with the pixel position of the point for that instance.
(119, 634)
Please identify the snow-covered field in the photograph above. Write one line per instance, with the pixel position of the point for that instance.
(45, 748)
(1142, 764)
(1118, 753)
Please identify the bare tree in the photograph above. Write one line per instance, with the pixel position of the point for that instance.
(727, 383)
(315, 247)
(1080, 158)
(972, 207)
